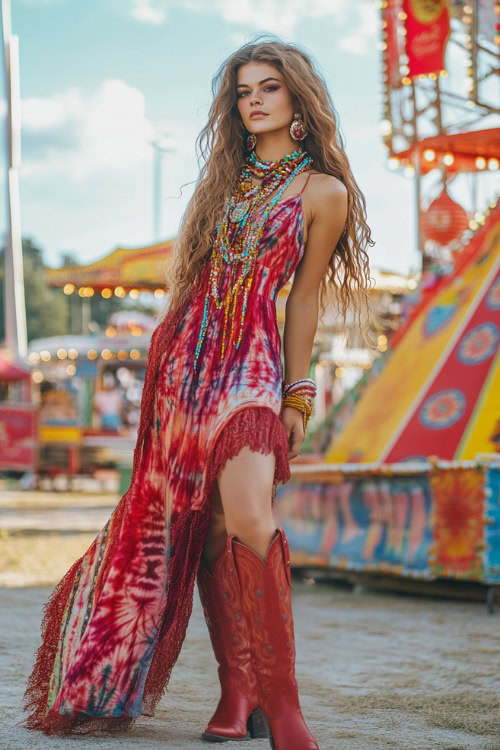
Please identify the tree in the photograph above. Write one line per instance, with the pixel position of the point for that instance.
(46, 308)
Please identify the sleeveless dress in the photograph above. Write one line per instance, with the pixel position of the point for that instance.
(114, 625)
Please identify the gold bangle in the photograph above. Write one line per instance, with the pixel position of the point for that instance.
(302, 403)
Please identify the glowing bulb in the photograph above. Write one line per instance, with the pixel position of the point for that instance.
(385, 127)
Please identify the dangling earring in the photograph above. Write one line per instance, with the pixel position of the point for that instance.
(297, 128)
(251, 141)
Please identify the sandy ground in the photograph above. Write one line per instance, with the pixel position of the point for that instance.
(375, 670)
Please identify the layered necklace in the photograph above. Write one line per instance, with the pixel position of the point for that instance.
(236, 246)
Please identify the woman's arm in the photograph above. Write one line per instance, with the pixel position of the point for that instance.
(327, 215)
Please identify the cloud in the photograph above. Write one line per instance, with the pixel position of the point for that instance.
(82, 135)
(43, 2)
(147, 12)
(360, 39)
(278, 16)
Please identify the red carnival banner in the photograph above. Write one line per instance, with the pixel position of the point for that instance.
(427, 25)
(390, 19)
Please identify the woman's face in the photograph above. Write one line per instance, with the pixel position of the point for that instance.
(260, 86)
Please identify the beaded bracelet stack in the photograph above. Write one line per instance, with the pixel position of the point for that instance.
(300, 395)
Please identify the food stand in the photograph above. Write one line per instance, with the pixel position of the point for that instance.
(18, 417)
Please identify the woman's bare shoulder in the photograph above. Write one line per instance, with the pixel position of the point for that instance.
(324, 186)
(321, 189)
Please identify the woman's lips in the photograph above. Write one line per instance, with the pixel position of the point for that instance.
(257, 116)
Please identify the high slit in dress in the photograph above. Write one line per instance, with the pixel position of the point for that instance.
(114, 625)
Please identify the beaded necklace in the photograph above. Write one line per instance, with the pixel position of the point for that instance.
(237, 239)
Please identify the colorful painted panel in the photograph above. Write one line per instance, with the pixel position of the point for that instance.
(492, 528)
(425, 401)
(439, 520)
(458, 523)
(444, 411)
(364, 523)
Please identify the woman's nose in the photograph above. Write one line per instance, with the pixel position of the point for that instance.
(255, 99)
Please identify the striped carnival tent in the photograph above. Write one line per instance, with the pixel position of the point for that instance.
(439, 392)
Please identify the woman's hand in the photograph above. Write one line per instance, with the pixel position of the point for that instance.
(293, 420)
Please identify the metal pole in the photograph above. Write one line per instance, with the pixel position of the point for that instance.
(158, 151)
(156, 194)
(416, 164)
(15, 309)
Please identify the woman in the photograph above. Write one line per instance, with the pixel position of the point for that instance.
(219, 424)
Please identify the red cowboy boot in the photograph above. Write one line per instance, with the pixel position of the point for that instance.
(266, 602)
(237, 716)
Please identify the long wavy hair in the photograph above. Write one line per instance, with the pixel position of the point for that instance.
(222, 144)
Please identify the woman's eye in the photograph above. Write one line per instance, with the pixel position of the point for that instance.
(272, 88)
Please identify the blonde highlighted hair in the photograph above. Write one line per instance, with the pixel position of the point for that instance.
(222, 146)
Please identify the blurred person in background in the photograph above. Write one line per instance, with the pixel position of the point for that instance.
(108, 404)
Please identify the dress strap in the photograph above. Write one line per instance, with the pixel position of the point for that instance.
(305, 183)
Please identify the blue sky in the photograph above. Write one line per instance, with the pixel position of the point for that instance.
(101, 78)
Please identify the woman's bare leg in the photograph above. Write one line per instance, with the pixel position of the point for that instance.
(245, 485)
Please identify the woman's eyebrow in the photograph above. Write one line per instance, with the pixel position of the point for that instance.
(263, 81)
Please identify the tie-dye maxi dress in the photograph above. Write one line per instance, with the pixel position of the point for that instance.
(114, 625)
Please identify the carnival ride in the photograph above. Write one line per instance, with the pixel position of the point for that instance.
(408, 486)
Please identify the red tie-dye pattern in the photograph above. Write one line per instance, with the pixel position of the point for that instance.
(114, 625)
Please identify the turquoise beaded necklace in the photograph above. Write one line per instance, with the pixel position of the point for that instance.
(237, 241)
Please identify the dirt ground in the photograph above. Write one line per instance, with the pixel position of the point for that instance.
(376, 670)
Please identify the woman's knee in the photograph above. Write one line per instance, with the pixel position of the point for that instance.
(245, 484)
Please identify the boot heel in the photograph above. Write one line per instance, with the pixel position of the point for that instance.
(256, 724)
(268, 733)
